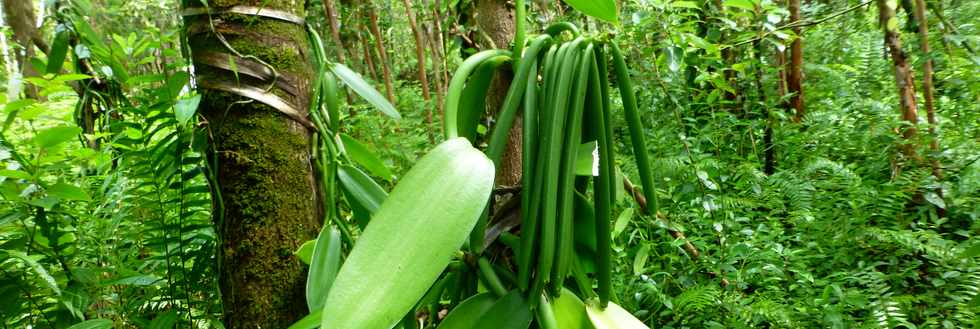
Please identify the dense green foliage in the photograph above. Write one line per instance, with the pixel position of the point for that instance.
(113, 227)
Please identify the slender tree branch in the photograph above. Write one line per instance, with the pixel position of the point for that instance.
(801, 24)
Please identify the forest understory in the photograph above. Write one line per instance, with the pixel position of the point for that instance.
(507, 164)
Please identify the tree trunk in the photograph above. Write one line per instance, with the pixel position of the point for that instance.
(903, 76)
(420, 66)
(920, 15)
(382, 54)
(769, 152)
(262, 160)
(795, 82)
(496, 19)
(369, 57)
(331, 13)
(937, 171)
(436, 48)
(19, 16)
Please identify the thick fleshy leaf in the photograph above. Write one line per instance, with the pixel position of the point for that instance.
(363, 194)
(468, 313)
(305, 251)
(310, 321)
(185, 109)
(411, 239)
(613, 317)
(361, 87)
(365, 157)
(602, 9)
(570, 311)
(510, 312)
(323, 268)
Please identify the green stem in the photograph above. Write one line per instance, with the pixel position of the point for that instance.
(520, 25)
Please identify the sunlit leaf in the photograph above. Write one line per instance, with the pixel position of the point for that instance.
(744, 4)
(37, 268)
(305, 251)
(53, 136)
(365, 90)
(602, 9)
(365, 157)
(612, 317)
(622, 221)
(570, 311)
(411, 238)
(67, 191)
(310, 321)
(185, 108)
(363, 194)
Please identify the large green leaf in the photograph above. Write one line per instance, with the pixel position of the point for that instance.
(323, 268)
(56, 135)
(510, 312)
(468, 313)
(602, 9)
(363, 194)
(570, 311)
(365, 157)
(67, 191)
(185, 108)
(613, 317)
(93, 324)
(361, 87)
(411, 239)
(310, 321)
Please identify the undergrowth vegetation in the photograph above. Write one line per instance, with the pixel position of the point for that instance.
(107, 206)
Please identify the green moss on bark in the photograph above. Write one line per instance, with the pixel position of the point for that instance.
(269, 195)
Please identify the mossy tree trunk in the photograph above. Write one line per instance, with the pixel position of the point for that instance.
(269, 201)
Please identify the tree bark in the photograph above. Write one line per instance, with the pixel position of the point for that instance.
(795, 81)
(927, 94)
(768, 150)
(420, 66)
(331, 13)
(927, 89)
(904, 80)
(261, 159)
(369, 57)
(496, 19)
(19, 16)
(382, 54)
(437, 48)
